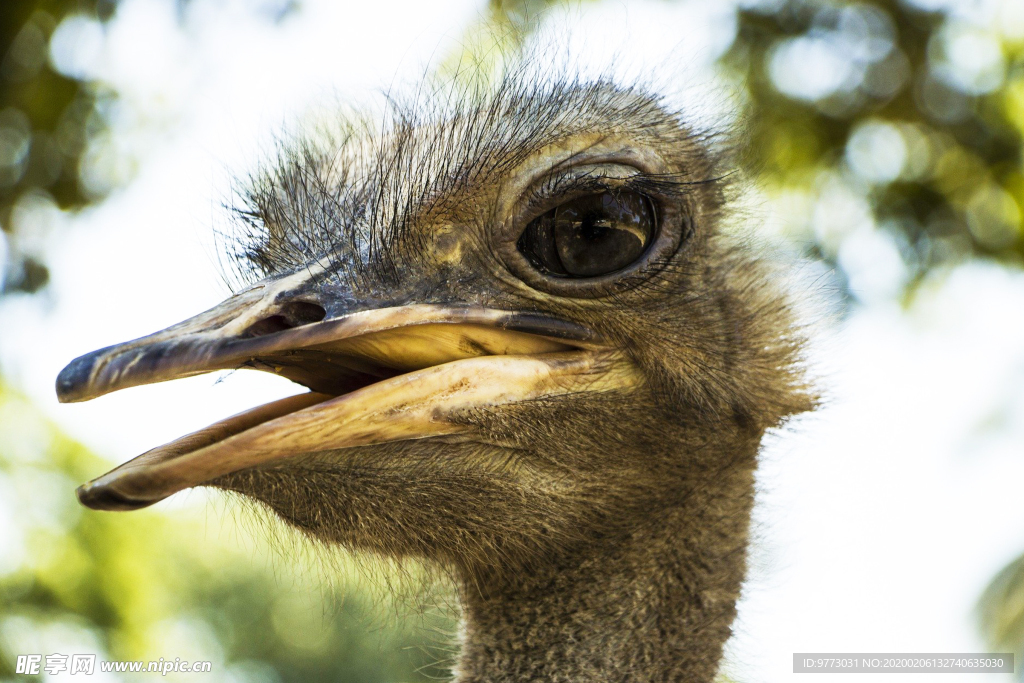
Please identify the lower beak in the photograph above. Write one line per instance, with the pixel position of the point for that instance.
(376, 376)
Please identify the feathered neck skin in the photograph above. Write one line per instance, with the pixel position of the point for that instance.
(654, 604)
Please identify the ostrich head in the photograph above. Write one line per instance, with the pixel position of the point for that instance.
(534, 357)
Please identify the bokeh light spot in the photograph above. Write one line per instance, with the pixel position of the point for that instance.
(876, 151)
(993, 217)
(76, 45)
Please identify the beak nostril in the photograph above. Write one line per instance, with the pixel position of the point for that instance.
(289, 315)
(269, 325)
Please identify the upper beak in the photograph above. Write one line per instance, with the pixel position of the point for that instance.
(378, 375)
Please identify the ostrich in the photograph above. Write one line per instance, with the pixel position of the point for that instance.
(536, 358)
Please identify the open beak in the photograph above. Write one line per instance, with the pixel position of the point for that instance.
(388, 374)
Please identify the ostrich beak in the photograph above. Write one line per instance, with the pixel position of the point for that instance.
(387, 374)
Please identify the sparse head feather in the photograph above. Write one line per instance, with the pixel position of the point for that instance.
(354, 190)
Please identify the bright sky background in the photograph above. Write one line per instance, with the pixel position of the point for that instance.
(881, 517)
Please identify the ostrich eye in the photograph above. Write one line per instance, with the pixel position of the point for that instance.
(591, 235)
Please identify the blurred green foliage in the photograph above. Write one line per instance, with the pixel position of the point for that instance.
(47, 121)
(1002, 611)
(893, 112)
(151, 585)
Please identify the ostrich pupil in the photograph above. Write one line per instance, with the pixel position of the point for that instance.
(591, 235)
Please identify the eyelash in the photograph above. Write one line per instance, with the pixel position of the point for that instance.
(566, 186)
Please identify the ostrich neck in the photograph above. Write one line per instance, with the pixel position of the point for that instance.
(656, 605)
